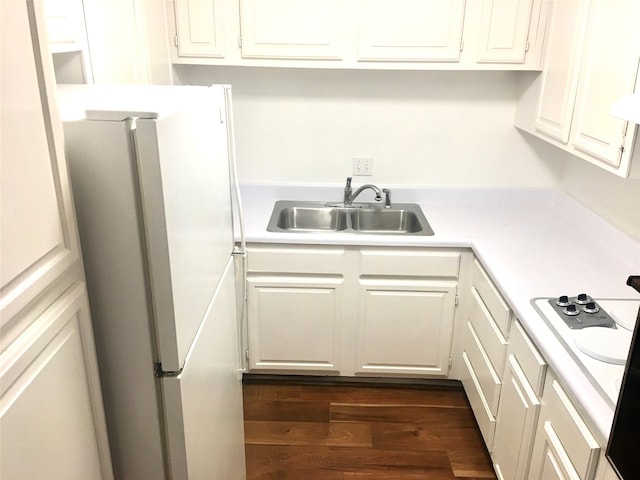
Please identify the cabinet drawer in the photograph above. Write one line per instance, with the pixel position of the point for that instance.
(409, 262)
(486, 421)
(531, 362)
(490, 336)
(487, 378)
(559, 414)
(492, 299)
(290, 259)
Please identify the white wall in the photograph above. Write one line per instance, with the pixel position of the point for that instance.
(614, 198)
(426, 128)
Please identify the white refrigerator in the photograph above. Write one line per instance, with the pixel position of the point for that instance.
(150, 169)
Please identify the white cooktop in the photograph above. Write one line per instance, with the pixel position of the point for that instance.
(600, 352)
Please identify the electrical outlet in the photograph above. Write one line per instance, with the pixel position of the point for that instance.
(362, 166)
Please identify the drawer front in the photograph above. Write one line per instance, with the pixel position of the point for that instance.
(577, 441)
(409, 262)
(492, 299)
(486, 421)
(531, 362)
(488, 379)
(291, 259)
(490, 336)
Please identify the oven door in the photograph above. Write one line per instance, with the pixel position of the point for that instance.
(622, 450)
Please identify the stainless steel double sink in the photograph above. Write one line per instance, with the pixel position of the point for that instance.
(366, 218)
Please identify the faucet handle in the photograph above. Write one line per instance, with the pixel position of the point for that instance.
(348, 182)
(387, 197)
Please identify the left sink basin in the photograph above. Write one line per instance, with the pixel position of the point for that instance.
(310, 218)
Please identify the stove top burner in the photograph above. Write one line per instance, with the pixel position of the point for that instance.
(581, 311)
(604, 344)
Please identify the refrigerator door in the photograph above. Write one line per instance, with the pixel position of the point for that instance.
(183, 167)
(203, 405)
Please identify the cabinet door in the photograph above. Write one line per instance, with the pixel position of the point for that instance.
(563, 50)
(504, 31)
(608, 72)
(404, 326)
(410, 30)
(515, 424)
(50, 397)
(564, 448)
(39, 238)
(51, 412)
(294, 323)
(312, 29)
(200, 27)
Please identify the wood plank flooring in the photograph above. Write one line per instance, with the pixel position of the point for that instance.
(336, 432)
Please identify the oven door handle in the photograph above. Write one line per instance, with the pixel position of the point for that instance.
(634, 281)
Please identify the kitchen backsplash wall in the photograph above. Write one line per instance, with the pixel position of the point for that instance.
(422, 128)
(426, 128)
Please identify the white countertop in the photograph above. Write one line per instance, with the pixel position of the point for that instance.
(533, 242)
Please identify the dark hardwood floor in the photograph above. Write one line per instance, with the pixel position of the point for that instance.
(337, 432)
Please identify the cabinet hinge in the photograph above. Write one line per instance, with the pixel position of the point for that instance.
(175, 40)
(462, 44)
(239, 41)
(450, 361)
(526, 46)
(246, 354)
(457, 300)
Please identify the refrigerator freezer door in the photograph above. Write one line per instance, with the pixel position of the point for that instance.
(183, 166)
(203, 405)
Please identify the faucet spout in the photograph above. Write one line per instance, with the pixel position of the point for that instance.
(348, 200)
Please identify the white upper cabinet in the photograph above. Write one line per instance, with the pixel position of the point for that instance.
(560, 69)
(504, 30)
(608, 72)
(201, 27)
(65, 24)
(68, 40)
(292, 29)
(592, 51)
(360, 34)
(410, 30)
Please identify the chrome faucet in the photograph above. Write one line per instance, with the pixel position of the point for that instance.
(349, 197)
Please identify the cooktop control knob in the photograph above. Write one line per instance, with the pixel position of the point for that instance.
(563, 301)
(583, 299)
(591, 307)
(571, 310)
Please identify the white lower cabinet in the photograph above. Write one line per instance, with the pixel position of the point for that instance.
(295, 306)
(294, 323)
(404, 326)
(351, 311)
(564, 447)
(519, 407)
(484, 351)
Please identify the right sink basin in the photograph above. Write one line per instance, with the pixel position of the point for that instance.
(388, 220)
(365, 218)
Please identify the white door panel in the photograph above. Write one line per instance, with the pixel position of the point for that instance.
(410, 30)
(46, 400)
(203, 405)
(36, 216)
